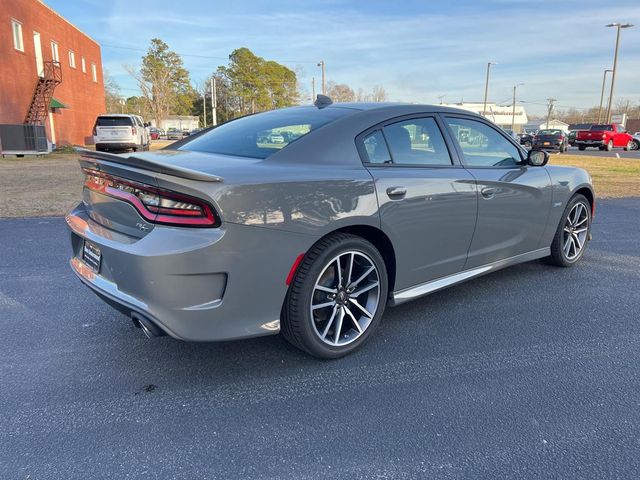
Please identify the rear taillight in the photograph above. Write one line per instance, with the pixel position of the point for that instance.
(604, 135)
(561, 138)
(154, 204)
(133, 130)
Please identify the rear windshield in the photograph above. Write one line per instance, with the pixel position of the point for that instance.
(263, 134)
(602, 127)
(549, 132)
(114, 122)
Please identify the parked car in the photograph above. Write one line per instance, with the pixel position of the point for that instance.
(605, 137)
(551, 139)
(154, 133)
(636, 141)
(120, 132)
(174, 134)
(222, 237)
(526, 140)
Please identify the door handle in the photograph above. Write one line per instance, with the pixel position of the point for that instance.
(396, 193)
(488, 192)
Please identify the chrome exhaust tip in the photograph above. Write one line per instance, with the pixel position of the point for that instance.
(150, 329)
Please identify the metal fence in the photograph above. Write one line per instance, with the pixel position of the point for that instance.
(23, 139)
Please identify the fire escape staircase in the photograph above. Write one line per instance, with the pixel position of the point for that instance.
(47, 83)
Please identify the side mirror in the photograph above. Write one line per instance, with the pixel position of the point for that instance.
(537, 158)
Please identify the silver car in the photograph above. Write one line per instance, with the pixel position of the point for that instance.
(223, 236)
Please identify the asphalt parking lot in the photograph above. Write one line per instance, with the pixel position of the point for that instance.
(531, 372)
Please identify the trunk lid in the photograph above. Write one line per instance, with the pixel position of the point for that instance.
(185, 173)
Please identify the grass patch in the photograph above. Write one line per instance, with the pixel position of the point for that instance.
(612, 177)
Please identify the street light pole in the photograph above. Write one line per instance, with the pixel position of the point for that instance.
(513, 112)
(214, 103)
(486, 89)
(324, 84)
(619, 26)
(604, 80)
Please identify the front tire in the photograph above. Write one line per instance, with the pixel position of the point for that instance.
(570, 240)
(337, 297)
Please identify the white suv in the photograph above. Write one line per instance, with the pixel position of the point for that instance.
(120, 132)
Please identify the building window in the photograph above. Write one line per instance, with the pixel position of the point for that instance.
(84, 65)
(55, 56)
(72, 59)
(18, 43)
(94, 72)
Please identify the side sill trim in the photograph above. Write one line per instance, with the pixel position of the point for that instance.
(431, 286)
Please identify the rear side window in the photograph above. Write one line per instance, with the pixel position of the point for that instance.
(114, 122)
(263, 134)
(376, 148)
(417, 142)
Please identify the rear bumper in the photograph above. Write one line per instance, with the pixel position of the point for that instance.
(105, 146)
(590, 143)
(194, 284)
(551, 146)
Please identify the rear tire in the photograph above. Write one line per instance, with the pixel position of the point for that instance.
(323, 313)
(572, 234)
(582, 148)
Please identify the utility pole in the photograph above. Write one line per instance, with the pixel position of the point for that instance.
(441, 98)
(313, 89)
(204, 107)
(615, 64)
(513, 112)
(486, 88)
(604, 80)
(214, 103)
(550, 109)
(324, 83)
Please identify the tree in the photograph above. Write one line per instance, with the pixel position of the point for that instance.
(113, 98)
(340, 92)
(163, 81)
(252, 84)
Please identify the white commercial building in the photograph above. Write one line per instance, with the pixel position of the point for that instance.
(536, 125)
(502, 116)
(181, 122)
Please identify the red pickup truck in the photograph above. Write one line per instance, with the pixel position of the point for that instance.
(605, 137)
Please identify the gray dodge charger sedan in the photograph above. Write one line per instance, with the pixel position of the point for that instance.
(311, 220)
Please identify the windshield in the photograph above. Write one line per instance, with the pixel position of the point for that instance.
(263, 134)
(602, 127)
(550, 132)
(114, 122)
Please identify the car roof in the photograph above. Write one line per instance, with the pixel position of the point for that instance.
(392, 107)
(118, 115)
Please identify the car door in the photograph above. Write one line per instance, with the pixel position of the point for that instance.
(514, 199)
(427, 200)
(620, 138)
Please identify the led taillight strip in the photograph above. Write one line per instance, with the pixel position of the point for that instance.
(204, 217)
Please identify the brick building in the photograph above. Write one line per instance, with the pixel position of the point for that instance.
(50, 72)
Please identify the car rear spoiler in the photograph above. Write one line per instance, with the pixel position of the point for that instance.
(146, 164)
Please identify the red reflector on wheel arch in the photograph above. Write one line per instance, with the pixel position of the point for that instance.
(294, 268)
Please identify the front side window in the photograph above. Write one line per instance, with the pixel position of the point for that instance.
(72, 59)
(482, 145)
(16, 28)
(417, 142)
(55, 56)
(263, 134)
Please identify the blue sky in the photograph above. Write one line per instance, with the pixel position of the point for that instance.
(417, 50)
